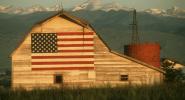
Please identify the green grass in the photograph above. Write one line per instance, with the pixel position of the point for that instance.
(159, 92)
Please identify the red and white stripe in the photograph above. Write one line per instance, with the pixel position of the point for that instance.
(75, 52)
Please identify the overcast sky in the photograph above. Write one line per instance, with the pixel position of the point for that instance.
(138, 4)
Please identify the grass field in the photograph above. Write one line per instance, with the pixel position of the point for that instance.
(159, 92)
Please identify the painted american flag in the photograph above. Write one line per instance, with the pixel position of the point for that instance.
(62, 51)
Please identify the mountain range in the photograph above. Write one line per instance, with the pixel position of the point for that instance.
(112, 25)
(92, 5)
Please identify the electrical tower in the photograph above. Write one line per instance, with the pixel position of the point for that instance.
(134, 26)
(59, 2)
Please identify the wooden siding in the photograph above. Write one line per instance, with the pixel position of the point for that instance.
(110, 66)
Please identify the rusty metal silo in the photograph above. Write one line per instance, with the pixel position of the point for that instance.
(146, 52)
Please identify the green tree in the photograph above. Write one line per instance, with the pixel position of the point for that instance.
(172, 74)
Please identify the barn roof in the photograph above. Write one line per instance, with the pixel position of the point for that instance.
(69, 17)
(138, 61)
(84, 23)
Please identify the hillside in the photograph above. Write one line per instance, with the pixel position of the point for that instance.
(112, 26)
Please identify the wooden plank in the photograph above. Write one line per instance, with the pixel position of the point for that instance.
(76, 39)
(59, 63)
(75, 33)
(61, 56)
(64, 68)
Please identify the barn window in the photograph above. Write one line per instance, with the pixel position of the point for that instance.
(123, 77)
(58, 79)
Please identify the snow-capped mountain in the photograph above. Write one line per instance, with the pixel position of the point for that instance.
(88, 5)
(92, 5)
(35, 8)
(81, 7)
(176, 12)
(155, 11)
(28, 10)
(114, 6)
(5, 9)
(53, 8)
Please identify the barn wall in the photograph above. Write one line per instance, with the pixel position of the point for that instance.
(22, 73)
(110, 66)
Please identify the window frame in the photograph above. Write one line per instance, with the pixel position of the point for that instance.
(124, 77)
(61, 79)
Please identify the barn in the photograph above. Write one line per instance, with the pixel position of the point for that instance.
(63, 50)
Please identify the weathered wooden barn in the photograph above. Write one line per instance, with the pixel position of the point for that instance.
(63, 50)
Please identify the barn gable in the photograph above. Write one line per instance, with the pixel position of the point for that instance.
(66, 49)
(58, 15)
